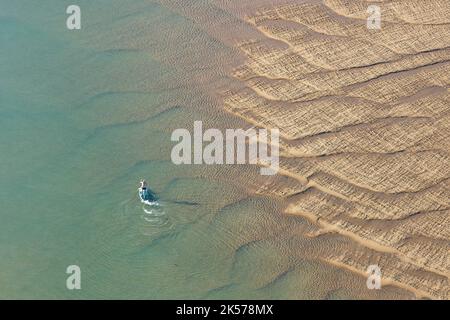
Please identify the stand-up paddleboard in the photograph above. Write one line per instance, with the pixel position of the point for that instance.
(147, 197)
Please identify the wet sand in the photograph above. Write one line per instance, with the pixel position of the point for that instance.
(364, 117)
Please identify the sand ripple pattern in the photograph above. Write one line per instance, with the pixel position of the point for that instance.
(365, 121)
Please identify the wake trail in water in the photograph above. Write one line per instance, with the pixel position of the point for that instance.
(149, 215)
(154, 213)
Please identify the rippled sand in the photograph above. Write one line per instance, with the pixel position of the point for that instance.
(364, 116)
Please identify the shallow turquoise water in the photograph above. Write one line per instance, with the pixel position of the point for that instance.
(83, 116)
(79, 125)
